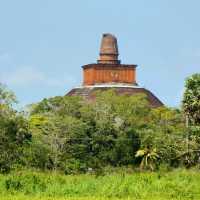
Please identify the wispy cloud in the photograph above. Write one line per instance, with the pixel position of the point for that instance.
(30, 76)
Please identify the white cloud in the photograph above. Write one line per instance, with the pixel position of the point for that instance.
(27, 76)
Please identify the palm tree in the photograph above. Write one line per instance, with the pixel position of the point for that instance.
(149, 158)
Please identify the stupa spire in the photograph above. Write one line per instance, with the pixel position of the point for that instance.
(108, 50)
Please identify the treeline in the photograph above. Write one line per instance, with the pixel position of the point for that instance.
(70, 135)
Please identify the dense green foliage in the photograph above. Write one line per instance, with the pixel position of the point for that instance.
(191, 100)
(14, 132)
(174, 185)
(79, 136)
(70, 135)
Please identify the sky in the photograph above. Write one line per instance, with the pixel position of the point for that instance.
(44, 43)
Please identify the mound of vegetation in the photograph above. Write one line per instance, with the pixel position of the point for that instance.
(72, 136)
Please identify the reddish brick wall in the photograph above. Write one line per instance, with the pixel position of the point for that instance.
(88, 76)
(97, 74)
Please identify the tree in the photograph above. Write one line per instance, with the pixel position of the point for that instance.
(57, 138)
(191, 109)
(14, 132)
(165, 131)
(6, 97)
(191, 99)
(80, 134)
(148, 157)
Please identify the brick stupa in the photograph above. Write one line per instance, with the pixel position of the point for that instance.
(109, 73)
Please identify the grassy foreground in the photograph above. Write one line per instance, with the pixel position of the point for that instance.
(177, 185)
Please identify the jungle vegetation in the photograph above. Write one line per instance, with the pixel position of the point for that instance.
(67, 134)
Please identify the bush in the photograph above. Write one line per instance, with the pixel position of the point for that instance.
(28, 183)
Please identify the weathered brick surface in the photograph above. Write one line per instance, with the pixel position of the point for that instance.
(88, 93)
(109, 73)
(108, 50)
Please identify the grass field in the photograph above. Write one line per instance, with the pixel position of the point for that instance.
(26, 185)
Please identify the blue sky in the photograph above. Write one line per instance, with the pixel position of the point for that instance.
(44, 43)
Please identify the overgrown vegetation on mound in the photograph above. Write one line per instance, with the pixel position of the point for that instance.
(72, 136)
(175, 185)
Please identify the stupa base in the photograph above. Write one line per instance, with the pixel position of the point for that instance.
(88, 92)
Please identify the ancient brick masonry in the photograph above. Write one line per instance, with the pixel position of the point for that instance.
(108, 68)
(109, 50)
(109, 73)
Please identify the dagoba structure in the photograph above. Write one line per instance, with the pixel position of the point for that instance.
(109, 73)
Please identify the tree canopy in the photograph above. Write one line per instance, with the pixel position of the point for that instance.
(191, 100)
(73, 136)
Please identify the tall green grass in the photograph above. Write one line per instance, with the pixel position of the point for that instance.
(26, 185)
